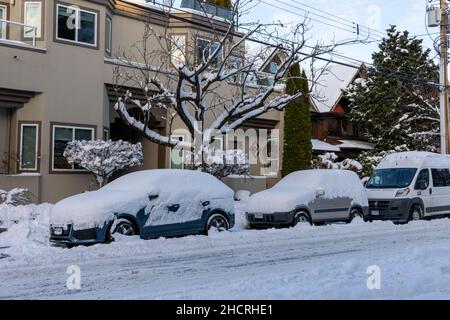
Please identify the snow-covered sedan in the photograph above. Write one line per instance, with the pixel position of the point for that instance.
(151, 204)
(312, 196)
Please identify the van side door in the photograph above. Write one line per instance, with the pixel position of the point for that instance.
(440, 191)
(424, 189)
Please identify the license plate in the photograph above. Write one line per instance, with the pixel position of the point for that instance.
(375, 212)
(57, 231)
(259, 216)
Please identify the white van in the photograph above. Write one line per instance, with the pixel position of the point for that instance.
(409, 186)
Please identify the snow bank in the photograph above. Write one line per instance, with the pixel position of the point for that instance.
(300, 188)
(10, 215)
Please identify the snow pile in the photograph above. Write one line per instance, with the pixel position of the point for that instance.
(134, 191)
(103, 158)
(16, 196)
(299, 188)
(28, 226)
(242, 195)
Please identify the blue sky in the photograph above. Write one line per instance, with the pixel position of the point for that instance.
(378, 14)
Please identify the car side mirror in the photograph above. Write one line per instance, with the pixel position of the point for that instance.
(365, 183)
(320, 192)
(421, 185)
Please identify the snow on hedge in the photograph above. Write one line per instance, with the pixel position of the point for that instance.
(299, 188)
(130, 193)
(15, 197)
(103, 158)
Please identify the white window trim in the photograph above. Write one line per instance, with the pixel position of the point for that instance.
(108, 49)
(5, 10)
(25, 22)
(177, 136)
(210, 42)
(77, 18)
(269, 170)
(73, 139)
(35, 168)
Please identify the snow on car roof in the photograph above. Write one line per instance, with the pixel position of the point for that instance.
(414, 159)
(170, 180)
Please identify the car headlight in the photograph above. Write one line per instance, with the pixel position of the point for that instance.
(403, 192)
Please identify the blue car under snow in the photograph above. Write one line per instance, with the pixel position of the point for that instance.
(151, 204)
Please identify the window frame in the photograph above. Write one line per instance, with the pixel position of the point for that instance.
(42, 18)
(5, 6)
(53, 126)
(21, 125)
(182, 151)
(210, 42)
(78, 10)
(108, 40)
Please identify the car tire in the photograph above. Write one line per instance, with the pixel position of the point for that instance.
(125, 227)
(416, 213)
(355, 212)
(301, 217)
(217, 221)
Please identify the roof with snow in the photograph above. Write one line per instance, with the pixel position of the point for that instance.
(414, 159)
(319, 145)
(355, 144)
(329, 86)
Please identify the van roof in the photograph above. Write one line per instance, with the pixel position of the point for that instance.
(414, 159)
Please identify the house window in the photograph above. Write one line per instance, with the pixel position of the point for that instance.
(178, 48)
(3, 16)
(273, 67)
(108, 35)
(271, 167)
(233, 65)
(76, 25)
(62, 135)
(177, 155)
(206, 48)
(29, 145)
(105, 134)
(32, 16)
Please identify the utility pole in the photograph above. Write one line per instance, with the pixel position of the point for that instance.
(443, 70)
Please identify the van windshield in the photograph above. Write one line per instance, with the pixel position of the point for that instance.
(391, 178)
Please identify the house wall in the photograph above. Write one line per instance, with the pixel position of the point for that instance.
(69, 82)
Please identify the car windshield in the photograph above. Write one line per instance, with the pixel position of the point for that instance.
(391, 178)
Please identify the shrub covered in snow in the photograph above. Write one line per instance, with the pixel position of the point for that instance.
(220, 163)
(103, 158)
(15, 197)
(328, 161)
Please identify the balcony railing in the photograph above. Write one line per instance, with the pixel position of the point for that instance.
(209, 8)
(16, 32)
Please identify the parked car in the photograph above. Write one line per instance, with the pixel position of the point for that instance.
(409, 186)
(151, 204)
(312, 196)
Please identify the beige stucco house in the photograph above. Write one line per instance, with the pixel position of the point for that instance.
(56, 86)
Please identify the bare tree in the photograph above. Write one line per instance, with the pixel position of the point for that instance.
(185, 81)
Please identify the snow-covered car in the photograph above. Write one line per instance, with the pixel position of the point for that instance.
(151, 204)
(312, 196)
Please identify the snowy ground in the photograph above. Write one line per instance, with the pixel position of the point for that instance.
(304, 262)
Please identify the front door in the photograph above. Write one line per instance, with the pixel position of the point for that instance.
(331, 209)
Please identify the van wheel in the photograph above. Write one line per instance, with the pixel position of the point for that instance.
(354, 213)
(301, 217)
(416, 213)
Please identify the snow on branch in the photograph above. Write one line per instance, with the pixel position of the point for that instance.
(103, 158)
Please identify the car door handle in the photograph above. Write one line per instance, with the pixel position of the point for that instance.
(431, 191)
(174, 208)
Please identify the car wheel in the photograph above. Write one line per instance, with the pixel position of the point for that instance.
(217, 222)
(354, 213)
(125, 227)
(416, 213)
(301, 217)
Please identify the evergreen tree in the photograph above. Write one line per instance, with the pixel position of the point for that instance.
(297, 151)
(398, 104)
